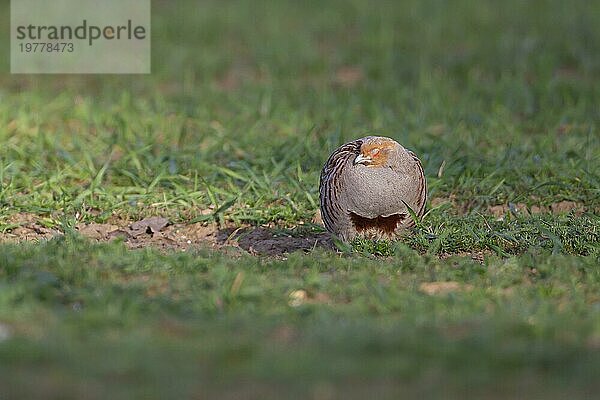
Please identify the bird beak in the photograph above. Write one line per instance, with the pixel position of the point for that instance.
(360, 159)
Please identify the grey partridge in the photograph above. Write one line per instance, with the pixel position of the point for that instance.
(367, 186)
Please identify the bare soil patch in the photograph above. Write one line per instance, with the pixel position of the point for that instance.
(158, 232)
(25, 227)
(267, 241)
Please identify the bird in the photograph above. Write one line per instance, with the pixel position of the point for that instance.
(367, 187)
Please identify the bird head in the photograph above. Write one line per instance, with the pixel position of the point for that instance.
(375, 151)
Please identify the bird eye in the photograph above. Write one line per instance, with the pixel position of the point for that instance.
(374, 152)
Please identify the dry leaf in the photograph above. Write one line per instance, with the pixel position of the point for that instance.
(150, 225)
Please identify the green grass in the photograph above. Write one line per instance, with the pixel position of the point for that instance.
(245, 102)
(204, 323)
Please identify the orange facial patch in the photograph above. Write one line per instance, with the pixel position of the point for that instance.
(377, 151)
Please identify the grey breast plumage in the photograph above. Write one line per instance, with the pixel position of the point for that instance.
(371, 201)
